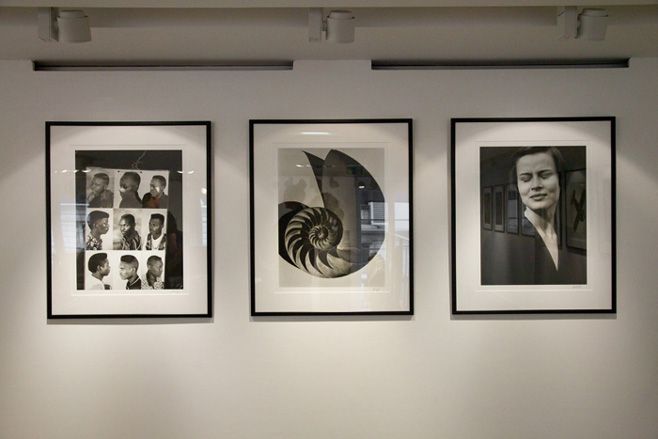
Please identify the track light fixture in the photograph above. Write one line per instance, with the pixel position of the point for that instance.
(64, 25)
(590, 24)
(336, 27)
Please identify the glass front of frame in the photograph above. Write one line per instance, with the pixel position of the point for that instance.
(545, 167)
(128, 219)
(331, 223)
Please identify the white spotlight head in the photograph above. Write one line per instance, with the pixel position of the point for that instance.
(340, 27)
(593, 24)
(315, 25)
(567, 22)
(73, 26)
(70, 26)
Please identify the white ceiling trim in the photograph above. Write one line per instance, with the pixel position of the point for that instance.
(309, 3)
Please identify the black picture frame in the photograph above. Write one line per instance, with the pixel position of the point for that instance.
(262, 154)
(593, 137)
(175, 269)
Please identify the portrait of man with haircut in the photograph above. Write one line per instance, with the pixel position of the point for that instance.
(128, 271)
(155, 239)
(130, 239)
(156, 198)
(128, 186)
(97, 220)
(153, 279)
(99, 267)
(98, 194)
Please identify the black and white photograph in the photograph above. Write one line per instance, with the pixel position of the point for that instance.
(133, 271)
(127, 229)
(98, 223)
(141, 188)
(137, 221)
(331, 214)
(342, 217)
(540, 167)
(100, 188)
(535, 174)
(98, 270)
(152, 271)
(155, 229)
(137, 212)
(141, 206)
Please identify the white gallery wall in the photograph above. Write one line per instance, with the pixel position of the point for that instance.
(233, 376)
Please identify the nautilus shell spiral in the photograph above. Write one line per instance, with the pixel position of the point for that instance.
(329, 241)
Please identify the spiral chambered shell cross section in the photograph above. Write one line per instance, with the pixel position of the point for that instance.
(330, 240)
(311, 236)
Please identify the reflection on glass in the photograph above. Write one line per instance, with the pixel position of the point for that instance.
(69, 216)
(204, 223)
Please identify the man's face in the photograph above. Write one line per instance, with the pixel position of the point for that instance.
(97, 185)
(155, 268)
(126, 270)
(155, 227)
(538, 181)
(127, 184)
(123, 184)
(102, 226)
(156, 188)
(125, 227)
(104, 269)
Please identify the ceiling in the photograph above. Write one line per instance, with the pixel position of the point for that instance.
(258, 31)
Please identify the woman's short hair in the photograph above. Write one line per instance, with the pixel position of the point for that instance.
(528, 150)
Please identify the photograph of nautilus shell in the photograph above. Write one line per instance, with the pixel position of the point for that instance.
(331, 217)
(331, 213)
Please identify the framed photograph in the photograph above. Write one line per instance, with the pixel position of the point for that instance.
(512, 209)
(487, 203)
(575, 201)
(128, 219)
(546, 164)
(331, 217)
(499, 209)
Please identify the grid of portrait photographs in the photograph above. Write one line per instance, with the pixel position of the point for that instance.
(128, 237)
(120, 198)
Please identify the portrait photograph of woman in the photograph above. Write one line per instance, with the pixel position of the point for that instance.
(537, 256)
(533, 215)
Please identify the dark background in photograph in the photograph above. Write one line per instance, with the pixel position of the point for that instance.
(137, 160)
(506, 256)
(486, 206)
